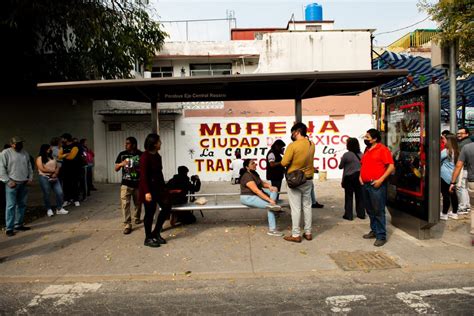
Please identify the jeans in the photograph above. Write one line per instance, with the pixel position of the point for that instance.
(470, 189)
(126, 195)
(462, 192)
(46, 187)
(375, 201)
(16, 205)
(255, 201)
(277, 184)
(300, 202)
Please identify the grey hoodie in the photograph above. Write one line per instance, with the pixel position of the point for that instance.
(15, 166)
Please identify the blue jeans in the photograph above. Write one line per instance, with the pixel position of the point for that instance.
(16, 205)
(374, 202)
(255, 201)
(46, 187)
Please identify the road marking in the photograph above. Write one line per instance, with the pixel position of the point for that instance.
(414, 299)
(339, 303)
(62, 294)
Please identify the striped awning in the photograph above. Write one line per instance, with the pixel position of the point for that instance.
(422, 74)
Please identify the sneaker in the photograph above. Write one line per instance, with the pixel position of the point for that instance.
(463, 212)
(62, 211)
(50, 213)
(66, 203)
(76, 203)
(443, 217)
(275, 208)
(380, 242)
(453, 215)
(275, 233)
(369, 235)
(10, 233)
(22, 228)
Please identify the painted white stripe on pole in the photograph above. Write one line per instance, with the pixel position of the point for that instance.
(414, 299)
(339, 303)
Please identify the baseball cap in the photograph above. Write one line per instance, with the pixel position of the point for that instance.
(16, 139)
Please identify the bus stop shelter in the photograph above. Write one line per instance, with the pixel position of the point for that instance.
(270, 86)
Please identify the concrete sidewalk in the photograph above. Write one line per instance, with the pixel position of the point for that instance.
(89, 244)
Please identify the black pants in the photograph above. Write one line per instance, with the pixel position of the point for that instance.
(71, 177)
(150, 209)
(353, 188)
(277, 184)
(448, 198)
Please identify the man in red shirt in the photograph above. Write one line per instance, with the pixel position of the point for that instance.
(376, 165)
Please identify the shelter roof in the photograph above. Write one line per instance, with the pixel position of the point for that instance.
(268, 86)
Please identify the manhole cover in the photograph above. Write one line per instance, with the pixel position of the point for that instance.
(363, 261)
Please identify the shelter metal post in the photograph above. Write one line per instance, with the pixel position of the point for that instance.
(453, 125)
(155, 127)
(298, 111)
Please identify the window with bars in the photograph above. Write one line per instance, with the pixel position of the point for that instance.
(210, 69)
(161, 72)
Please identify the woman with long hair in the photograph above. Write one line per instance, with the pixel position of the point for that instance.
(48, 170)
(449, 158)
(260, 194)
(152, 191)
(350, 164)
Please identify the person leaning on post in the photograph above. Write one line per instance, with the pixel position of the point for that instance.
(376, 166)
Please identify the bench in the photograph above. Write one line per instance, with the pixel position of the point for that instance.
(218, 205)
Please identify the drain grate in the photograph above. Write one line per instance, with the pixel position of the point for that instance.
(363, 260)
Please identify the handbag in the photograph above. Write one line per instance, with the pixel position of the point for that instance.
(296, 178)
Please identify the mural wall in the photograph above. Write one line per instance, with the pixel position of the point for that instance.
(207, 145)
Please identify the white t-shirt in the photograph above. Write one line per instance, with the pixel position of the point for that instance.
(236, 165)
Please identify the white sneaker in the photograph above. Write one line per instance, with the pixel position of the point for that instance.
(453, 215)
(275, 208)
(462, 212)
(443, 217)
(50, 212)
(66, 203)
(77, 203)
(275, 233)
(62, 212)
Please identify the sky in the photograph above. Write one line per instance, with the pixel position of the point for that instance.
(382, 15)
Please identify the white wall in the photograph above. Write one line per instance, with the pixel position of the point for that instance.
(315, 51)
(211, 163)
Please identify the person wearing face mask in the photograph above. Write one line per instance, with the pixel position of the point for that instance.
(16, 172)
(300, 156)
(376, 166)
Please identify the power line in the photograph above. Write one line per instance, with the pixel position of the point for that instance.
(403, 27)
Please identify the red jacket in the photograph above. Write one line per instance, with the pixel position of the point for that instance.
(151, 177)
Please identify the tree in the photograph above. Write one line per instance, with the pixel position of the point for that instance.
(51, 40)
(455, 19)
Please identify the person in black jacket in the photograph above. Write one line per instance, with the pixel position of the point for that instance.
(179, 187)
(275, 171)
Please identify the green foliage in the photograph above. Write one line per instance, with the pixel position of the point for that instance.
(455, 19)
(57, 40)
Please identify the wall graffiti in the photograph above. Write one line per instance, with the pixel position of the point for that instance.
(213, 142)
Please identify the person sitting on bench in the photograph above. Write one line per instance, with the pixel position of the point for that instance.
(179, 187)
(260, 194)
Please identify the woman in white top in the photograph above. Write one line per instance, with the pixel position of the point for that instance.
(48, 170)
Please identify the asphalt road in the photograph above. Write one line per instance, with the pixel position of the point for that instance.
(361, 293)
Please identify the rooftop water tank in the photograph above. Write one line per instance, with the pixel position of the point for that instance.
(313, 12)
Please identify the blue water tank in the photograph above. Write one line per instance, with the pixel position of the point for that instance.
(313, 12)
